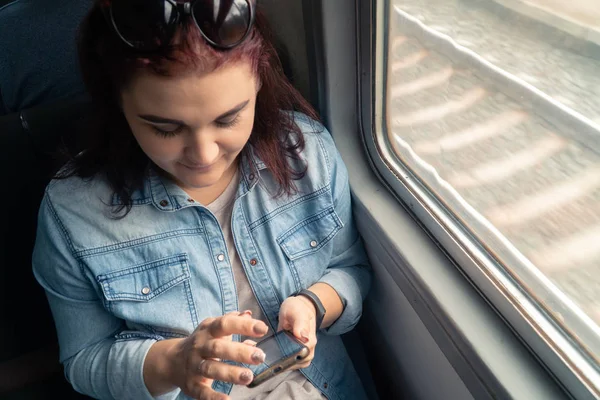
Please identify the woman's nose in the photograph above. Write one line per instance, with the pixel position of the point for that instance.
(202, 151)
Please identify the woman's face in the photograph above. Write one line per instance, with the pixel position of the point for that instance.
(193, 126)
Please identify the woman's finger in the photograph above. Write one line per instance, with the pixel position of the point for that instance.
(234, 313)
(234, 324)
(224, 372)
(232, 351)
(311, 344)
(301, 328)
(286, 322)
(307, 361)
(303, 365)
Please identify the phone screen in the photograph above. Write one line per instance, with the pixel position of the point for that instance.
(282, 351)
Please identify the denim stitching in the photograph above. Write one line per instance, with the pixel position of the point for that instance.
(164, 334)
(112, 296)
(116, 201)
(325, 155)
(104, 280)
(62, 228)
(266, 218)
(295, 274)
(306, 221)
(123, 337)
(136, 242)
(141, 202)
(215, 266)
(191, 304)
(165, 189)
(182, 258)
(81, 265)
(322, 242)
(256, 249)
(65, 234)
(167, 334)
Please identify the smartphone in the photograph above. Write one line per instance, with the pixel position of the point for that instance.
(294, 352)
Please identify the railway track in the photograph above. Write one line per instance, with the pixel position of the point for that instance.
(532, 179)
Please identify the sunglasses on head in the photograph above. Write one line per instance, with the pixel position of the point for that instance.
(149, 25)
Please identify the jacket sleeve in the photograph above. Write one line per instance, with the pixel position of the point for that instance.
(96, 363)
(348, 272)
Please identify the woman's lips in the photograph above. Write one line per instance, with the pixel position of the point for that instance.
(198, 167)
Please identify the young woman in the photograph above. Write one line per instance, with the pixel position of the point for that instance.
(209, 207)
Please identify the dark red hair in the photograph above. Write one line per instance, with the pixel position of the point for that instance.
(108, 65)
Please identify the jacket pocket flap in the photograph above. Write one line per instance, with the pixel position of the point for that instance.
(146, 281)
(310, 235)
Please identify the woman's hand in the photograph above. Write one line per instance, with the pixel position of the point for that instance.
(299, 316)
(196, 360)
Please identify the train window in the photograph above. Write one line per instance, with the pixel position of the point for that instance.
(487, 113)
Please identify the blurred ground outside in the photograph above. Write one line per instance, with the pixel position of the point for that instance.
(580, 18)
(536, 182)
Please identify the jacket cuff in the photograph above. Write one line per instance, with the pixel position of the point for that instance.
(349, 292)
(129, 382)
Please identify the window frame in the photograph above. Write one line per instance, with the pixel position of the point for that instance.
(546, 339)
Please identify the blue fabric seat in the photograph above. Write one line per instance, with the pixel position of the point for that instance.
(29, 140)
(39, 58)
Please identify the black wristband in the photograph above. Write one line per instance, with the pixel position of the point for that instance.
(317, 303)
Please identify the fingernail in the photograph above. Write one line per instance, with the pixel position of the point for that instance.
(258, 356)
(260, 329)
(304, 335)
(246, 312)
(246, 377)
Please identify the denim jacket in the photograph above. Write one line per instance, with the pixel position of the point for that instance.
(116, 286)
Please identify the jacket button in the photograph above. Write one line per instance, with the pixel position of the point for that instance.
(164, 203)
(221, 257)
(146, 290)
(325, 385)
(313, 243)
(191, 200)
(253, 262)
(251, 177)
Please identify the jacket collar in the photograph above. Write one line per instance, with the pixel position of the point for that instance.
(166, 195)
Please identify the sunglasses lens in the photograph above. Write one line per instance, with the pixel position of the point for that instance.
(144, 24)
(224, 22)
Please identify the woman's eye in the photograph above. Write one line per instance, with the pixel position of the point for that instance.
(167, 132)
(228, 123)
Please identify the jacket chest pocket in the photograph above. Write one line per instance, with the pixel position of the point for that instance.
(307, 245)
(156, 295)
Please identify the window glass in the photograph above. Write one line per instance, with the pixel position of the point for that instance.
(494, 106)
